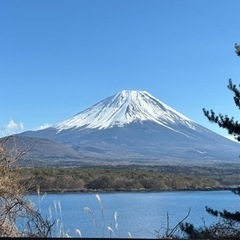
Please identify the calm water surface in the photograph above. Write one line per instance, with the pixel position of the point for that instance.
(130, 214)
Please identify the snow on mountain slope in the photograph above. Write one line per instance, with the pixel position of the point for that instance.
(124, 108)
(136, 127)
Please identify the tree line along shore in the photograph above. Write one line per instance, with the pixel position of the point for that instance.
(128, 178)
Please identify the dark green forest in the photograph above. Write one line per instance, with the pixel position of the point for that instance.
(128, 178)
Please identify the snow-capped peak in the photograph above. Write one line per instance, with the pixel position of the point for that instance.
(124, 108)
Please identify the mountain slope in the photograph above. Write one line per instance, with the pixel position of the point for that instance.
(39, 151)
(124, 108)
(134, 126)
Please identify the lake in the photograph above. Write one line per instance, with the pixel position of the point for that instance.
(129, 214)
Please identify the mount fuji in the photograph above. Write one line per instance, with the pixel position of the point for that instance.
(136, 127)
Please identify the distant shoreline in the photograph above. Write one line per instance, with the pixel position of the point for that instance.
(129, 179)
(79, 191)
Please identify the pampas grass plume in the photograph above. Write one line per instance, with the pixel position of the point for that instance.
(87, 210)
(79, 232)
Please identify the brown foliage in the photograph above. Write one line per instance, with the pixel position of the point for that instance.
(18, 218)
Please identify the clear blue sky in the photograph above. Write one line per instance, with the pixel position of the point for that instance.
(58, 57)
